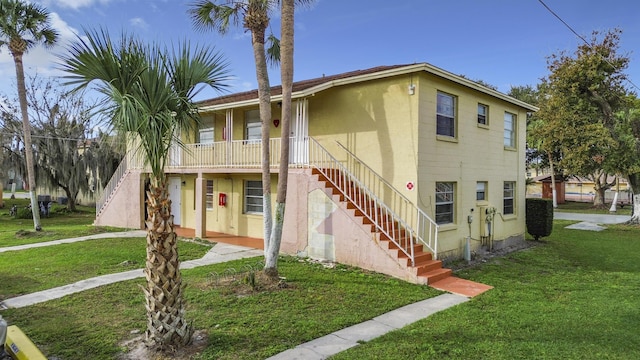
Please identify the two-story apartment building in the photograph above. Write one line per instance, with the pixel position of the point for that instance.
(390, 168)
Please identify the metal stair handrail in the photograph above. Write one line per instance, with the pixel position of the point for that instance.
(390, 212)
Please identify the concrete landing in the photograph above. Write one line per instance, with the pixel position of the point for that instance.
(585, 225)
(463, 287)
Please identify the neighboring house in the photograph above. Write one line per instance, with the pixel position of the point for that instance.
(382, 161)
(579, 189)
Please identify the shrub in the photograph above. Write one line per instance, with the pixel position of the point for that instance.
(24, 213)
(539, 217)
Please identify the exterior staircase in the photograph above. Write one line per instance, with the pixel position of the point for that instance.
(396, 240)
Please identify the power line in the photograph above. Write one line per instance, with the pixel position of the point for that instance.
(584, 40)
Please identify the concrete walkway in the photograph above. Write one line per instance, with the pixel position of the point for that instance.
(346, 338)
(108, 235)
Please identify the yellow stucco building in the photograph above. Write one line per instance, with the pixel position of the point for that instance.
(386, 163)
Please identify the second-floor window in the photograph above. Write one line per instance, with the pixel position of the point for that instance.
(205, 131)
(446, 115)
(483, 114)
(509, 130)
(252, 125)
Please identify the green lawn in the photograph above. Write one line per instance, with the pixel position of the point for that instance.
(32, 270)
(91, 324)
(59, 225)
(574, 297)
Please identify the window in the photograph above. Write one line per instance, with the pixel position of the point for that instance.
(253, 197)
(253, 127)
(483, 114)
(508, 197)
(444, 202)
(509, 130)
(205, 131)
(209, 195)
(446, 115)
(481, 190)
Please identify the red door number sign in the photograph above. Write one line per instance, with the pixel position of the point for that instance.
(410, 185)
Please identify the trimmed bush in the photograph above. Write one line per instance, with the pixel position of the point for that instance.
(539, 217)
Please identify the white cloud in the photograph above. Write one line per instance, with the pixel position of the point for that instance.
(139, 23)
(73, 4)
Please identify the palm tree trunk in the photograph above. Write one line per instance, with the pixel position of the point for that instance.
(28, 149)
(286, 69)
(166, 324)
(264, 96)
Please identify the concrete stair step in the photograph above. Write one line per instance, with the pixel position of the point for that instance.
(436, 275)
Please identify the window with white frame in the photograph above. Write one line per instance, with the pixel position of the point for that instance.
(509, 130)
(508, 197)
(252, 125)
(209, 195)
(446, 115)
(205, 131)
(253, 197)
(445, 200)
(481, 190)
(483, 114)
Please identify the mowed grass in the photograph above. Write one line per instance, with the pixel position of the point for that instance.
(59, 225)
(31, 270)
(318, 301)
(573, 297)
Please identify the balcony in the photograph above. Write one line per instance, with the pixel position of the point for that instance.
(236, 154)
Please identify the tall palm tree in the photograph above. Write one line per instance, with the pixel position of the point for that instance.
(219, 15)
(149, 93)
(207, 14)
(286, 75)
(22, 26)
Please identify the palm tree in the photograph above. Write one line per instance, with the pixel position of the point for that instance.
(148, 92)
(286, 74)
(255, 18)
(22, 26)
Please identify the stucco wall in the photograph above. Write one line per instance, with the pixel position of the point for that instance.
(322, 227)
(477, 153)
(126, 207)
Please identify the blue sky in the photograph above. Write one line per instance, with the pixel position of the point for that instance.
(502, 42)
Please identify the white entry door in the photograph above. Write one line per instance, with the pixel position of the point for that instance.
(174, 195)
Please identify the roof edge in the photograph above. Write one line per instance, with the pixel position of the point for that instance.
(379, 75)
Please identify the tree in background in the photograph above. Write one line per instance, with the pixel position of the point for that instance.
(22, 26)
(578, 102)
(148, 93)
(627, 133)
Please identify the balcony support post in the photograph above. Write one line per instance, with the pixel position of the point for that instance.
(201, 215)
